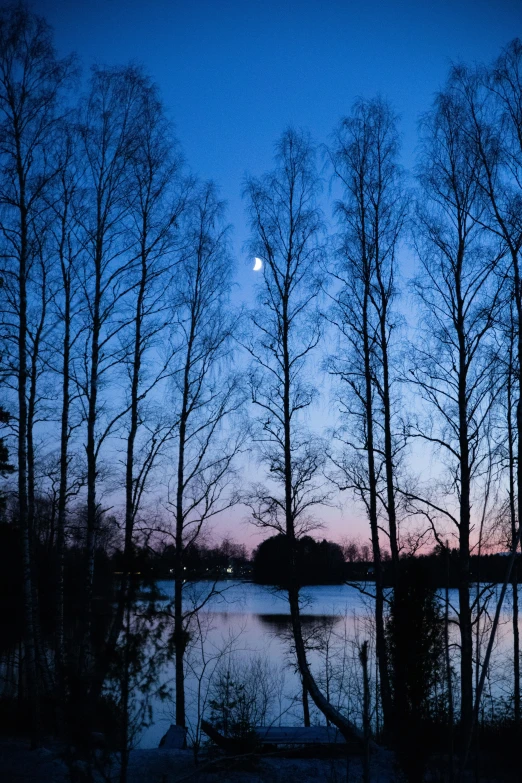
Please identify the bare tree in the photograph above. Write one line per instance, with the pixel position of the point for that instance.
(492, 101)
(157, 195)
(371, 215)
(510, 389)
(454, 367)
(286, 228)
(65, 248)
(158, 198)
(206, 396)
(32, 80)
(109, 131)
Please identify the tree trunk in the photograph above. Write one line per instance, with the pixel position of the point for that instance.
(125, 694)
(179, 635)
(180, 641)
(513, 520)
(516, 644)
(133, 429)
(448, 671)
(41, 660)
(29, 631)
(306, 706)
(346, 728)
(466, 640)
(90, 447)
(388, 442)
(466, 637)
(62, 492)
(363, 657)
(516, 533)
(328, 710)
(124, 595)
(380, 644)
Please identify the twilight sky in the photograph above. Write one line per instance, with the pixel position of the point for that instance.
(234, 73)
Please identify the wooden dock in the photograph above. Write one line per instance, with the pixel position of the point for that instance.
(306, 738)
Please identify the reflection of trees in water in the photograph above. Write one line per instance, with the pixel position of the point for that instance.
(281, 623)
(332, 643)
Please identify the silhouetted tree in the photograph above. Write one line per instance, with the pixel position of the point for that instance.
(286, 229)
(371, 217)
(454, 368)
(317, 562)
(108, 127)
(157, 192)
(492, 121)
(206, 396)
(32, 81)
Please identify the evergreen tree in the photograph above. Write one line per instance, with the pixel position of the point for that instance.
(415, 636)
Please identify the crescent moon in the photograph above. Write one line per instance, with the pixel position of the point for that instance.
(258, 264)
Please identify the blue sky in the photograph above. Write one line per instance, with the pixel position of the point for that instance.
(234, 74)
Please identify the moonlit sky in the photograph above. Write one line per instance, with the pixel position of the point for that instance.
(234, 74)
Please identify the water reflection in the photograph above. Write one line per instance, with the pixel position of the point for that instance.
(334, 617)
(257, 617)
(282, 623)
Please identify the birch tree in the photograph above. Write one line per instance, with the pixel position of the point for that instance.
(206, 396)
(158, 193)
(286, 226)
(65, 249)
(32, 82)
(492, 121)
(371, 217)
(108, 128)
(454, 369)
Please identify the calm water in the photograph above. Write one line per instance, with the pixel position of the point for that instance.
(248, 625)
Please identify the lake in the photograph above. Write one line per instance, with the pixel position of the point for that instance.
(245, 630)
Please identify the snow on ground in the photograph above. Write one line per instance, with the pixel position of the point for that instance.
(19, 764)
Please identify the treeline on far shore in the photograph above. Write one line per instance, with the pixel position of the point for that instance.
(442, 570)
(325, 562)
(319, 562)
